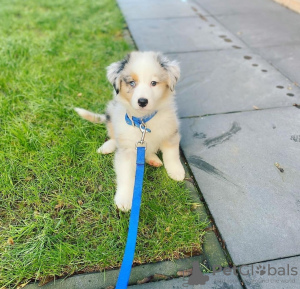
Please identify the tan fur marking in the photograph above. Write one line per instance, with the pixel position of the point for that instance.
(166, 92)
(135, 77)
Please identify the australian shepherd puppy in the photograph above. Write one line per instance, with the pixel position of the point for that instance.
(143, 90)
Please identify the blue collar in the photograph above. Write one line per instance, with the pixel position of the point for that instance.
(137, 121)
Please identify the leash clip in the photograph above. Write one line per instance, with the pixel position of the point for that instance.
(142, 142)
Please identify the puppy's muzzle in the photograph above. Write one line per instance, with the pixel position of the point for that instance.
(142, 102)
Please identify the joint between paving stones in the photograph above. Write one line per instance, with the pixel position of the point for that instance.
(214, 247)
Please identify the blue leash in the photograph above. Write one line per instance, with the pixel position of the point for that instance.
(124, 274)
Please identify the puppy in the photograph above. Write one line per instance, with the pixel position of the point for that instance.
(143, 90)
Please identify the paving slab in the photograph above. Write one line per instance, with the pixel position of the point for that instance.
(225, 7)
(230, 80)
(279, 274)
(153, 9)
(181, 34)
(265, 28)
(247, 166)
(102, 280)
(285, 58)
(217, 281)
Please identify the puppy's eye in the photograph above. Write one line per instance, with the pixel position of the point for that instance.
(132, 83)
(153, 83)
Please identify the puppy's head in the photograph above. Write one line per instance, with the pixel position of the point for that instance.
(143, 80)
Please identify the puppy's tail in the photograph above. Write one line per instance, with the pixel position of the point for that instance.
(90, 116)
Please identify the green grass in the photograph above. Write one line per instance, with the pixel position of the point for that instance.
(57, 215)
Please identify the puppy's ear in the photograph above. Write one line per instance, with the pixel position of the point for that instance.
(114, 70)
(171, 67)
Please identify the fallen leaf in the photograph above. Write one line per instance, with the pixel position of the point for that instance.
(10, 241)
(145, 280)
(59, 205)
(46, 280)
(79, 94)
(160, 277)
(279, 168)
(22, 285)
(195, 206)
(185, 273)
(80, 202)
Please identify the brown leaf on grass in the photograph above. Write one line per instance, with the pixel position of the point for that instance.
(46, 280)
(10, 241)
(185, 273)
(79, 94)
(80, 202)
(168, 229)
(22, 285)
(195, 206)
(145, 280)
(60, 205)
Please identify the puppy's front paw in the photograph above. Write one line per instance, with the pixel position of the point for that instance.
(153, 160)
(176, 171)
(123, 202)
(108, 147)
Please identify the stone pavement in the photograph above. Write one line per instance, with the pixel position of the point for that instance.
(240, 63)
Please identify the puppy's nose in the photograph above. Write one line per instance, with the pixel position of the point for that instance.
(142, 102)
